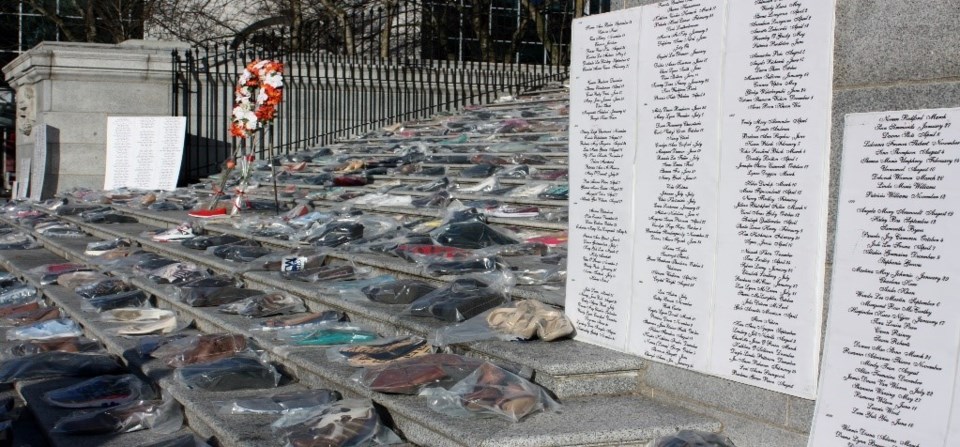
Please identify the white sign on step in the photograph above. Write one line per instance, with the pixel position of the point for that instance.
(144, 152)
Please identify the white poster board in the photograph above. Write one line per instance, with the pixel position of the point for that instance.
(144, 152)
(727, 223)
(603, 139)
(38, 167)
(23, 178)
(889, 375)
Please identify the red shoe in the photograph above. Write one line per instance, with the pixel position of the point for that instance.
(207, 214)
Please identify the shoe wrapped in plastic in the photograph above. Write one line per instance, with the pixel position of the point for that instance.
(491, 390)
(265, 305)
(326, 334)
(133, 298)
(105, 287)
(18, 241)
(205, 242)
(65, 344)
(18, 294)
(239, 252)
(517, 320)
(410, 376)
(693, 438)
(237, 372)
(475, 264)
(400, 291)
(163, 417)
(281, 403)
(31, 317)
(470, 235)
(98, 392)
(177, 273)
(349, 422)
(464, 297)
(58, 364)
(324, 273)
(311, 320)
(61, 327)
(100, 247)
(17, 308)
(78, 279)
(380, 351)
(200, 348)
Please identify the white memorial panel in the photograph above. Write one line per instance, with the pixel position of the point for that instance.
(603, 142)
(889, 375)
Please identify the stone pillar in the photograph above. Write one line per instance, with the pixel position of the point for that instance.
(72, 88)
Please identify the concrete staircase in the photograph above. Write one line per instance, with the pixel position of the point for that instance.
(601, 391)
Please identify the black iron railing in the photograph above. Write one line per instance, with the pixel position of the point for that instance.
(330, 92)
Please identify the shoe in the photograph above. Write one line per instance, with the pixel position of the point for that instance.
(34, 316)
(238, 372)
(181, 232)
(103, 391)
(515, 211)
(110, 286)
(161, 326)
(100, 247)
(388, 351)
(133, 298)
(209, 214)
(401, 291)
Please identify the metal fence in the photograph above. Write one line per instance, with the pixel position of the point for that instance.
(331, 93)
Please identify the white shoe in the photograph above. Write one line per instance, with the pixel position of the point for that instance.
(181, 232)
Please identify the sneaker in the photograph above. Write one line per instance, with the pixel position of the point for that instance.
(209, 214)
(181, 232)
(514, 211)
(104, 391)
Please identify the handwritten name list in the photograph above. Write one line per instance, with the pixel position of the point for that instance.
(890, 367)
(677, 174)
(603, 143)
(733, 121)
(773, 193)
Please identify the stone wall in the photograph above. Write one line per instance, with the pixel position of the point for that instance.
(75, 86)
(888, 55)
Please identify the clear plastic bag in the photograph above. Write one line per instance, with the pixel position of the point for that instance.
(380, 351)
(327, 335)
(18, 294)
(133, 298)
(65, 344)
(464, 297)
(535, 270)
(200, 348)
(349, 422)
(473, 264)
(410, 376)
(77, 279)
(184, 440)
(163, 417)
(324, 273)
(109, 286)
(281, 403)
(400, 291)
(518, 320)
(177, 273)
(693, 438)
(61, 327)
(55, 363)
(237, 372)
(31, 317)
(141, 321)
(265, 305)
(98, 392)
(491, 390)
(215, 296)
(303, 322)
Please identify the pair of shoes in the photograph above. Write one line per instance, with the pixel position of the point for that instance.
(388, 351)
(530, 318)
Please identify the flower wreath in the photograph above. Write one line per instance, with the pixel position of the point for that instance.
(265, 77)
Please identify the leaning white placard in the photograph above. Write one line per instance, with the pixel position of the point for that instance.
(772, 201)
(144, 152)
(889, 375)
(38, 166)
(603, 141)
(23, 177)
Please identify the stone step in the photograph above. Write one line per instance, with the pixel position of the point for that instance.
(587, 420)
(567, 367)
